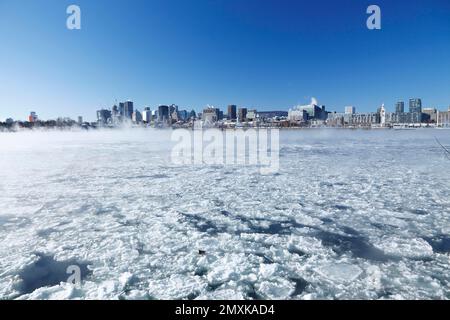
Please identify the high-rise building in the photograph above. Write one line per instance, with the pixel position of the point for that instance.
(147, 115)
(415, 105)
(163, 113)
(415, 110)
(80, 120)
(350, 110)
(115, 110)
(103, 116)
(122, 109)
(382, 113)
(173, 108)
(137, 116)
(242, 114)
(32, 117)
(400, 107)
(183, 115)
(232, 112)
(128, 109)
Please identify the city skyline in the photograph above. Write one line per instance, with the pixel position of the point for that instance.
(252, 53)
(398, 107)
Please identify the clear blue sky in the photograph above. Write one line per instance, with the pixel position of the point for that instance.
(254, 53)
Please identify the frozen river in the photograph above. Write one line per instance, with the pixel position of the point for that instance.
(349, 215)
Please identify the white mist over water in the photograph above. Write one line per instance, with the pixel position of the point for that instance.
(350, 214)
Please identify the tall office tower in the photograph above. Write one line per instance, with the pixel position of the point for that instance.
(80, 120)
(415, 105)
(232, 112)
(103, 116)
(173, 108)
(32, 117)
(183, 115)
(128, 109)
(122, 109)
(242, 114)
(147, 115)
(350, 110)
(137, 116)
(115, 110)
(163, 113)
(400, 107)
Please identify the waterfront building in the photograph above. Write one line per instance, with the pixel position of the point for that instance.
(415, 105)
(242, 114)
(174, 116)
(265, 115)
(382, 112)
(128, 109)
(365, 119)
(163, 113)
(337, 119)
(298, 115)
(443, 118)
(122, 109)
(32, 117)
(183, 115)
(173, 112)
(137, 117)
(415, 110)
(350, 110)
(430, 115)
(252, 114)
(400, 107)
(210, 115)
(232, 112)
(103, 116)
(147, 115)
(314, 112)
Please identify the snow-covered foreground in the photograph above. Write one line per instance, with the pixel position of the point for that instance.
(350, 215)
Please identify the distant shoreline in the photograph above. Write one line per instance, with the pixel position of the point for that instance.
(81, 129)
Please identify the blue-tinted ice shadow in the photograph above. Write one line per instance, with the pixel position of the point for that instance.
(47, 272)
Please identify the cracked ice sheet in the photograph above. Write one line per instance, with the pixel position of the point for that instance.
(350, 215)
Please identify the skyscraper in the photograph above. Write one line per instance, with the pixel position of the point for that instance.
(232, 112)
(122, 109)
(415, 110)
(32, 117)
(400, 107)
(128, 109)
(147, 115)
(415, 105)
(103, 116)
(115, 110)
(242, 114)
(137, 116)
(163, 113)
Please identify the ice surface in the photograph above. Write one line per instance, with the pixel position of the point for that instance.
(350, 215)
